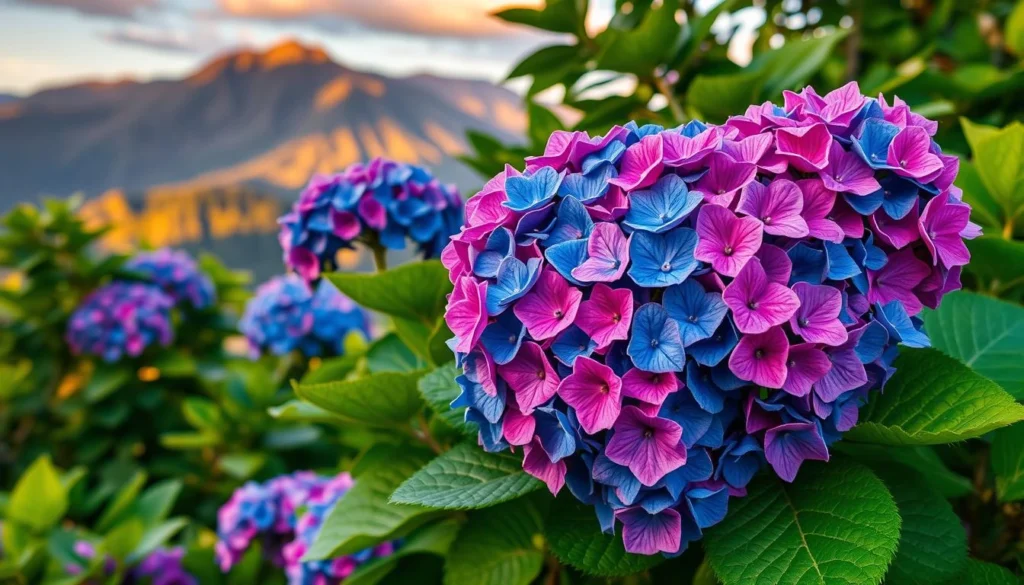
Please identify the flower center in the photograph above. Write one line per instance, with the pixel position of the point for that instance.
(559, 314)
(666, 267)
(839, 178)
(720, 192)
(802, 321)
(541, 374)
(727, 250)
(654, 343)
(767, 220)
(792, 363)
(648, 433)
(692, 318)
(759, 353)
(605, 389)
(616, 317)
(752, 305)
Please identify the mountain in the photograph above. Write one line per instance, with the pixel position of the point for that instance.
(265, 120)
(7, 98)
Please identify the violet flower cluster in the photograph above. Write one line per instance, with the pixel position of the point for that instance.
(120, 319)
(177, 274)
(284, 514)
(286, 315)
(651, 314)
(163, 566)
(380, 203)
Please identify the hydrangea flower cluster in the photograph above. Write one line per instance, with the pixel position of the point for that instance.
(177, 274)
(286, 513)
(379, 203)
(119, 319)
(652, 314)
(161, 567)
(286, 314)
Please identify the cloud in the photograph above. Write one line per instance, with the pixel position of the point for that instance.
(197, 41)
(433, 18)
(109, 8)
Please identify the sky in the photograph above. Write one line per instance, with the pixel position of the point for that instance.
(46, 43)
(52, 42)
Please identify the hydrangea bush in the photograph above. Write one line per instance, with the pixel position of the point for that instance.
(163, 566)
(177, 274)
(284, 514)
(121, 319)
(650, 314)
(381, 204)
(286, 314)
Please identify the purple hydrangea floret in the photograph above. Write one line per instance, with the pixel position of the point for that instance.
(285, 514)
(120, 319)
(651, 315)
(381, 203)
(286, 315)
(163, 566)
(177, 274)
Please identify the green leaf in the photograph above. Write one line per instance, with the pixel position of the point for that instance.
(439, 390)
(994, 258)
(836, 525)
(984, 210)
(122, 540)
(38, 500)
(242, 465)
(1008, 462)
(564, 16)
(1015, 30)
(333, 369)
(378, 399)
(717, 97)
(439, 352)
(698, 31)
(542, 123)
(105, 380)
(414, 334)
(188, 441)
(124, 499)
(415, 291)
(467, 477)
(502, 545)
(364, 517)
(640, 50)
(175, 364)
(933, 543)
(793, 64)
(203, 414)
(156, 502)
(575, 537)
(391, 354)
(434, 539)
(984, 333)
(156, 537)
(934, 399)
(544, 59)
(998, 155)
(921, 459)
(301, 411)
(982, 573)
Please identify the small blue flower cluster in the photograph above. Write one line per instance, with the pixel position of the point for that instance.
(382, 202)
(286, 315)
(177, 274)
(119, 319)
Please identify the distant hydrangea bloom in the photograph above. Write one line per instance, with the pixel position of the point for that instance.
(177, 274)
(160, 567)
(265, 512)
(120, 319)
(382, 202)
(285, 514)
(652, 314)
(286, 314)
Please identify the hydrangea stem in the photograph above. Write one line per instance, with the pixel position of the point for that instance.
(380, 257)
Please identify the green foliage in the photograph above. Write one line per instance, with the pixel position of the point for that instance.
(39, 499)
(837, 524)
(576, 539)
(1008, 462)
(384, 398)
(980, 573)
(412, 291)
(498, 546)
(985, 334)
(934, 399)
(466, 477)
(439, 390)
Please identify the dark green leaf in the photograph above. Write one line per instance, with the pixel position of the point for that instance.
(413, 291)
(1008, 462)
(439, 389)
(717, 97)
(836, 524)
(378, 399)
(575, 537)
(922, 459)
(564, 16)
(467, 477)
(640, 50)
(498, 546)
(981, 573)
(390, 354)
(984, 333)
(122, 502)
(545, 59)
(105, 380)
(434, 539)
(934, 399)
(997, 259)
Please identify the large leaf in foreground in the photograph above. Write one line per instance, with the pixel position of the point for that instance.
(363, 516)
(982, 573)
(498, 546)
(985, 334)
(467, 477)
(836, 525)
(575, 537)
(439, 389)
(382, 399)
(933, 543)
(1008, 462)
(934, 399)
(413, 291)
